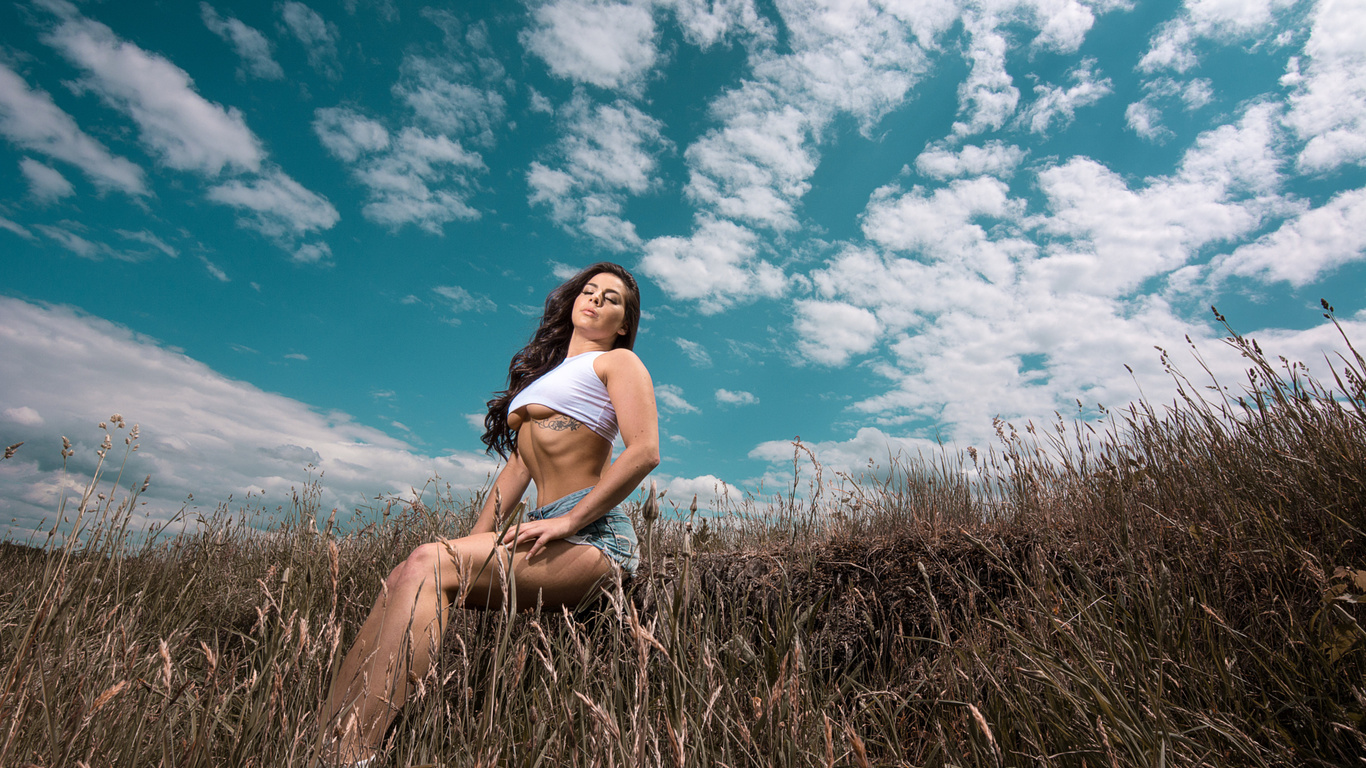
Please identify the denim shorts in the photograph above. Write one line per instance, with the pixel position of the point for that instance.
(612, 533)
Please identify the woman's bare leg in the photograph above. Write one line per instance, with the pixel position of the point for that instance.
(396, 643)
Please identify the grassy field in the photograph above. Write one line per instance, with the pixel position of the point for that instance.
(1180, 584)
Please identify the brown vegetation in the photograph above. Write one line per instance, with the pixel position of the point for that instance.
(1182, 587)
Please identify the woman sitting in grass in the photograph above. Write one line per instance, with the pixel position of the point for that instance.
(569, 392)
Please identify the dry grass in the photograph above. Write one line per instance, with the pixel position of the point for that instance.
(1178, 585)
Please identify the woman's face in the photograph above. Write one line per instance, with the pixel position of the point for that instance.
(600, 308)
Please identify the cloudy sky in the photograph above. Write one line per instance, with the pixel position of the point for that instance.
(282, 234)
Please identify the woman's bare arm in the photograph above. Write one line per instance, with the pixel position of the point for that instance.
(508, 487)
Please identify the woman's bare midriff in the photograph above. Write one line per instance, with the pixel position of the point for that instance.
(562, 453)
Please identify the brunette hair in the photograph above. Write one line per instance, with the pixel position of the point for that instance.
(548, 346)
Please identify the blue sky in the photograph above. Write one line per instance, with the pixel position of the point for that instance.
(277, 233)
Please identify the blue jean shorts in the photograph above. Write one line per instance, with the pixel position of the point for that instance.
(612, 533)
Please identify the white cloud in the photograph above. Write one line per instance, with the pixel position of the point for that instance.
(1222, 21)
(461, 300)
(1144, 116)
(830, 332)
(75, 243)
(695, 352)
(347, 134)
(456, 96)
(23, 416)
(149, 239)
(995, 158)
(727, 397)
(607, 153)
(17, 229)
(1328, 107)
(988, 96)
(313, 253)
(251, 46)
(405, 183)
(1053, 102)
(670, 397)
(1307, 246)
(33, 122)
(276, 205)
(45, 184)
(851, 456)
(706, 22)
(202, 433)
(175, 123)
(597, 42)
(714, 268)
(987, 308)
(213, 269)
(317, 35)
(713, 494)
(754, 168)
(1145, 119)
(1197, 93)
(412, 178)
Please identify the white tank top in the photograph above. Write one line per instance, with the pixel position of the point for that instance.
(573, 389)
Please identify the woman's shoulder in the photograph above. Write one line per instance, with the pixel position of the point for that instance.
(618, 360)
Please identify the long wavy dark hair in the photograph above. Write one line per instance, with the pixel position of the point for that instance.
(548, 346)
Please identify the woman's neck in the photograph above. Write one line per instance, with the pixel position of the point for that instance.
(579, 345)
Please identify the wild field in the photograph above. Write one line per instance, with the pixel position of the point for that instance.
(1176, 584)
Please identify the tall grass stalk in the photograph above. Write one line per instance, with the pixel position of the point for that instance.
(1177, 584)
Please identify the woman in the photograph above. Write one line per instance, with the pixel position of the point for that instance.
(569, 392)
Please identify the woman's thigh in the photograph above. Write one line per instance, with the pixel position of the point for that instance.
(561, 574)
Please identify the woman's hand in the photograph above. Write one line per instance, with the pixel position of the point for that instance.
(539, 532)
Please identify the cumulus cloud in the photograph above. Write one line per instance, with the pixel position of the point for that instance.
(1174, 45)
(24, 416)
(453, 96)
(713, 494)
(603, 43)
(1054, 103)
(695, 352)
(317, 35)
(713, 269)
(1328, 106)
(460, 300)
(45, 183)
(422, 173)
(995, 158)
(1021, 314)
(670, 397)
(32, 121)
(183, 129)
(202, 433)
(311, 253)
(987, 98)
(830, 332)
(412, 178)
(1307, 246)
(727, 397)
(251, 46)
(347, 134)
(706, 22)
(607, 153)
(1113, 238)
(276, 205)
(869, 445)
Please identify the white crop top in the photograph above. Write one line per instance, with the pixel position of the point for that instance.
(574, 389)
